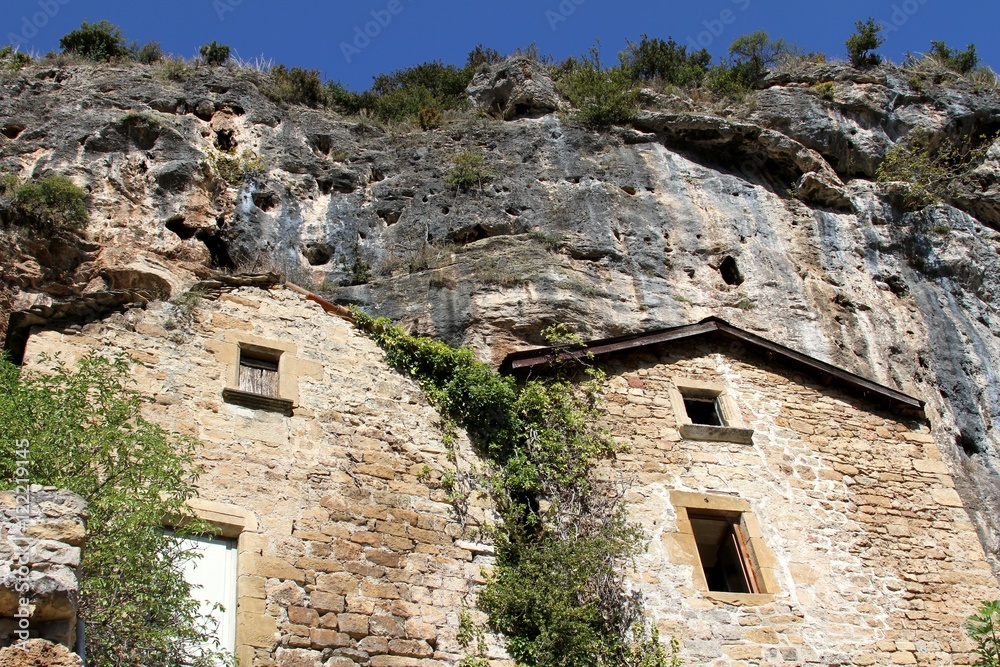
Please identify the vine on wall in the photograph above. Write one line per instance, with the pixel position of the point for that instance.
(562, 537)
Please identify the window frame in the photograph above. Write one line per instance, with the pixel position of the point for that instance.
(240, 526)
(759, 557)
(731, 429)
(290, 367)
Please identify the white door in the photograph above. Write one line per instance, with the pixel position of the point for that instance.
(213, 582)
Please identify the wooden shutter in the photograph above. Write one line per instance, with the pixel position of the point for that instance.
(258, 374)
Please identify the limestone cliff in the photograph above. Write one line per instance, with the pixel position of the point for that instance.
(766, 214)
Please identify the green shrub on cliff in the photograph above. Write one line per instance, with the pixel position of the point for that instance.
(602, 96)
(862, 44)
(652, 59)
(12, 60)
(48, 205)
(82, 429)
(214, 53)
(102, 41)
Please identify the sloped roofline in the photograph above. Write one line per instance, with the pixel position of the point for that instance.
(714, 327)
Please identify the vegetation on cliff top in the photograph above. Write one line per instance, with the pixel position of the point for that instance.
(427, 93)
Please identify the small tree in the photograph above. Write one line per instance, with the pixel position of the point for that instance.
(984, 628)
(214, 53)
(962, 62)
(102, 41)
(754, 54)
(862, 44)
(84, 432)
(147, 54)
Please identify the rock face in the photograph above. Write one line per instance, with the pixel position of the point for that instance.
(43, 529)
(766, 215)
(38, 653)
(516, 88)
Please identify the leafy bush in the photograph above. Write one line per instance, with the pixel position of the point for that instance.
(418, 94)
(174, 69)
(102, 41)
(148, 53)
(962, 62)
(468, 169)
(237, 169)
(214, 53)
(298, 86)
(546, 597)
(728, 81)
(932, 171)
(430, 117)
(862, 44)
(984, 628)
(49, 205)
(12, 60)
(85, 432)
(601, 96)
(667, 62)
(825, 89)
(754, 54)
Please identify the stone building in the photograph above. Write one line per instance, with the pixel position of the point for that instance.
(797, 514)
(336, 543)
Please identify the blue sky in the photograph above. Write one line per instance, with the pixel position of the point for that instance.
(331, 36)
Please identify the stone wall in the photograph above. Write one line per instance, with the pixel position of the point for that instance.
(41, 531)
(349, 549)
(866, 552)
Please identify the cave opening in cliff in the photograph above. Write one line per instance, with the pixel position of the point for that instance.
(177, 226)
(730, 271)
(968, 443)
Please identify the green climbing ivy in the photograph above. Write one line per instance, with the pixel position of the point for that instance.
(562, 538)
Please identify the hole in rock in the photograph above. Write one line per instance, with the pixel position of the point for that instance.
(265, 201)
(225, 140)
(177, 226)
(11, 131)
(317, 254)
(390, 216)
(731, 272)
(465, 236)
(968, 443)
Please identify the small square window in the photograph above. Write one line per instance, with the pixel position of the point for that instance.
(704, 411)
(724, 551)
(256, 380)
(259, 370)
